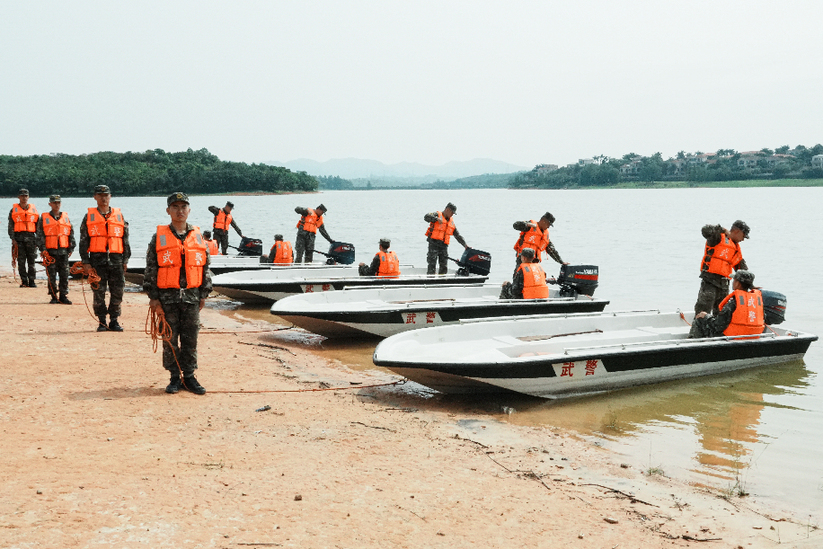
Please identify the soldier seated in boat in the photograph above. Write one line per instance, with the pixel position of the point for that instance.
(529, 280)
(281, 252)
(741, 313)
(385, 263)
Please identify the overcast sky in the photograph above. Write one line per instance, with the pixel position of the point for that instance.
(420, 81)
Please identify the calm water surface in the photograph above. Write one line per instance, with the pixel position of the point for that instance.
(757, 430)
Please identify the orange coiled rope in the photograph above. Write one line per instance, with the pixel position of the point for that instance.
(94, 282)
(14, 254)
(48, 260)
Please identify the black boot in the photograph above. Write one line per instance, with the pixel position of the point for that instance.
(101, 327)
(65, 300)
(54, 300)
(174, 384)
(193, 385)
(115, 326)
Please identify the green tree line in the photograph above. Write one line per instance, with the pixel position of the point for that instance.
(154, 172)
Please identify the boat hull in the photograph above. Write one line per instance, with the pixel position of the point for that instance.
(582, 364)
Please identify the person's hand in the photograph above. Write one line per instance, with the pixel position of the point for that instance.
(202, 304)
(157, 308)
(362, 264)
(86, 269)
(701, 314)
(565, 263)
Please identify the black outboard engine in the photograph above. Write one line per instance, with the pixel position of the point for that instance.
(578, 279)
(250, 246)
(474, 262)
(341, 252)
(774, 307)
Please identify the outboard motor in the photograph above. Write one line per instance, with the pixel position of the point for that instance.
(340, 252)
(474, 262)
(578, 279)
(250, 246)
(774, 307)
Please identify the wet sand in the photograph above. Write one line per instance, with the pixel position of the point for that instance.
(96, 453)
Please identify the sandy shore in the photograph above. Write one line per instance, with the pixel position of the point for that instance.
(95, 453)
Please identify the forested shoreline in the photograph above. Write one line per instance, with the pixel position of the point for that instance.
(154, 172)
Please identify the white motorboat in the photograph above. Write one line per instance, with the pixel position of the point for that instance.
(385, 310)
(555, 356)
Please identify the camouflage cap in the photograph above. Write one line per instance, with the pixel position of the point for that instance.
(385, 242)
(548, 217)
(278, 237)
(527, 253)
(207, 234)
(742, 226)
(102, 189)
(177, 197)
(451, 206)
(23, 192)
(744, 277)
(230, 204)
(54, 198)
(321, 207)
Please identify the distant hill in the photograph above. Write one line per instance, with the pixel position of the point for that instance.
(355, 168)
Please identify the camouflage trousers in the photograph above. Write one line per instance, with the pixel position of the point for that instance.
(26, 256)
(58, 269)
(112, 279)
(304, 247)
(438, 253)
(709, 297)
(181, 351)
(222, 239)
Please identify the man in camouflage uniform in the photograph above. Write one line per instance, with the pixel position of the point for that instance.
(438, 251)
(180, 306)
(714, 287)
(25, 238)
(109, 265)
(714, 326)
(221, 216)
(546, 221)
(310, 222)
(60, 254)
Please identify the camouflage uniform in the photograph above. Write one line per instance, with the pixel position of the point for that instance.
(181, 308)
(60, 267)
(713, 326)
(304, 241)
(110, 267)
(438, 251)
(26, 253)
(221, 236)
(551, 251)
(713, 287)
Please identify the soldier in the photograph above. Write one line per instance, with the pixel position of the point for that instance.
(310, 222)
(22, 231)
(535, 235)
(104, 246)
(385, 263)
(441, 227)
(529, 280)
(281, 252)
(741, 312)
(721, 256)
(222, 221)
(210, 244)
(55, 238)
(177, 281)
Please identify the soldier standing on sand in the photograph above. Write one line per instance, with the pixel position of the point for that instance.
(177, 281)
(104, 247)
(55, 237)
(310, 222)
(441, 227)
(22, 229)
(721, 256)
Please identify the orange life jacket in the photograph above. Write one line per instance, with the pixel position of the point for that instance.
(212, 247)
(172, 254)
(222, 220)
(748, 313)
(57, 231)
(25, 221)
(283, 254)
(441, 229)
(722, 258)
(310, 221)
(534, 281)
(534, 238)
(105, 234)
(389, 265)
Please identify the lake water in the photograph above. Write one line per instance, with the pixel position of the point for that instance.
(756, 430)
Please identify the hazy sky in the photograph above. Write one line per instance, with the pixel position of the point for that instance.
(420, 81)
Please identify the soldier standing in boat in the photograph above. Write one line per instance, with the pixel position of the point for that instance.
(22, 231)
(721, 256)
(311, 221)
(385, 263)
(535, 235)
(222, 221)
(441, 228)
(741, 312)
(104, 247)
(55, 239)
